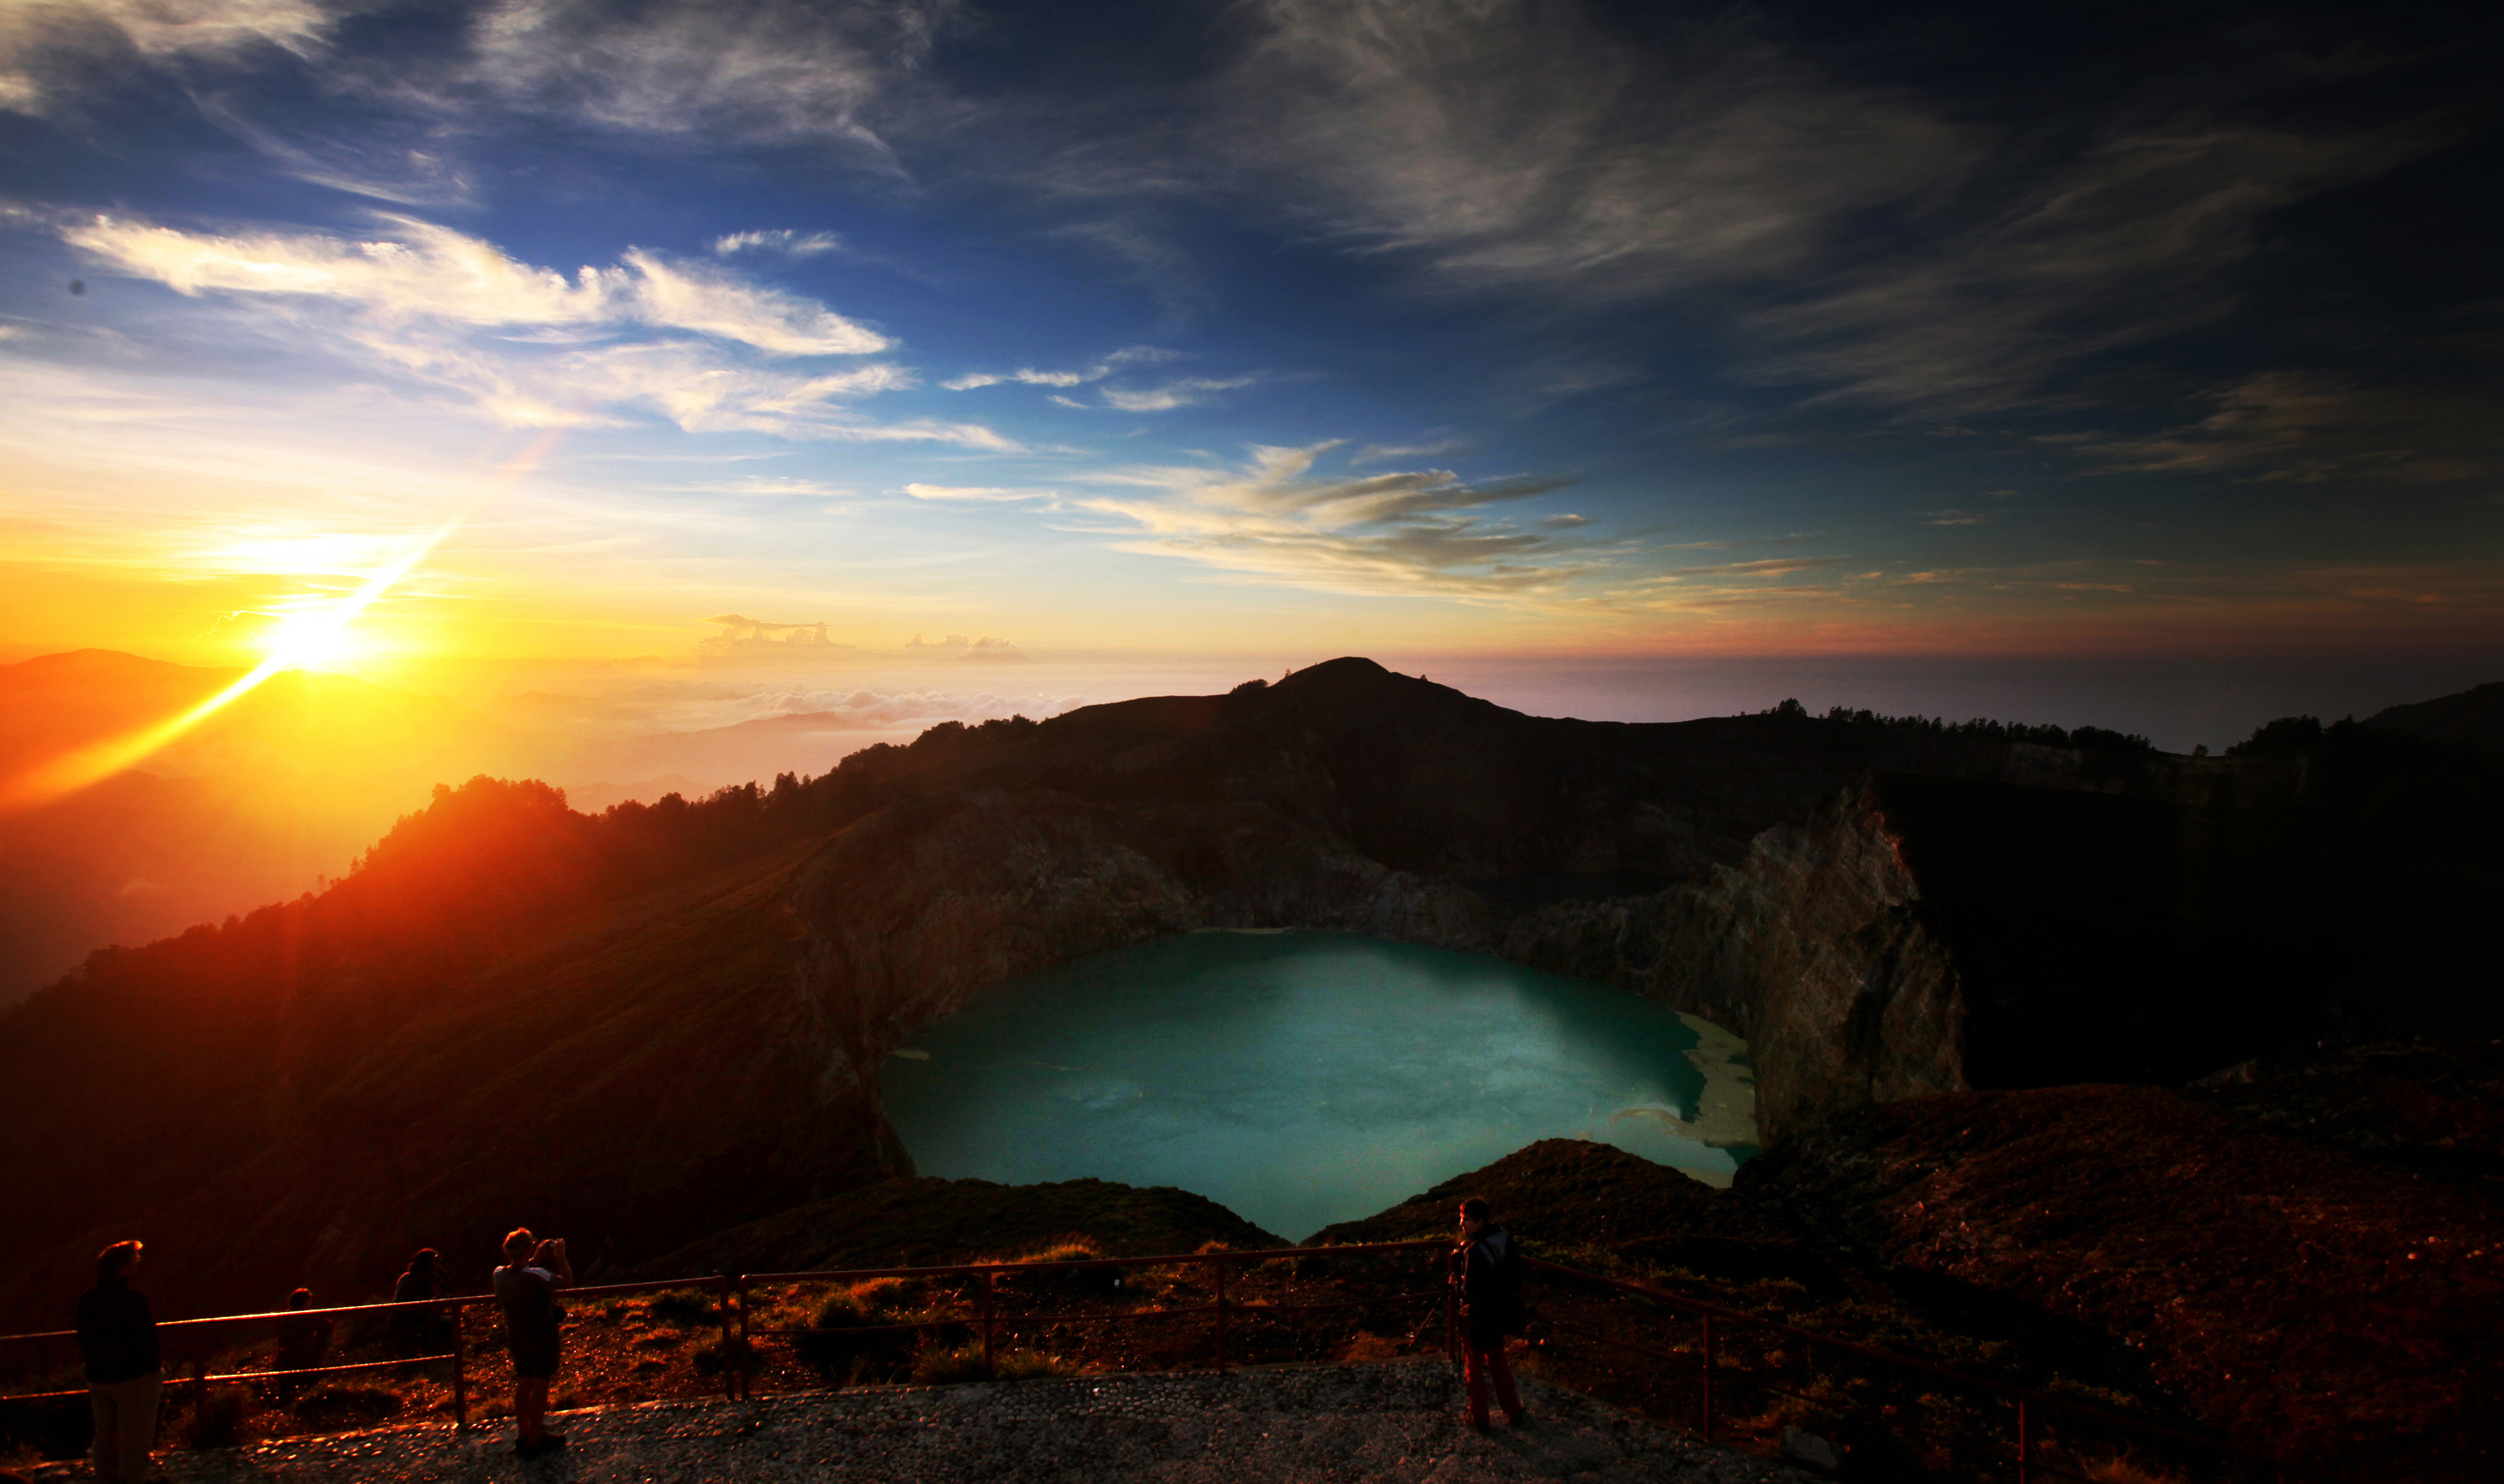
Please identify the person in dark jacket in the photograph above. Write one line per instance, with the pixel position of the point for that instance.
(1491, 1278)
(422, 1331)
(526, 1291)
(302, 1342)
(117, 1337)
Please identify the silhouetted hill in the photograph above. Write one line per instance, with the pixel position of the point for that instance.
(650, 1025)
(2474, 718)
(258, 803)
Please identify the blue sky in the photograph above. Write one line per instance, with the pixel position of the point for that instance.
(1447, 328)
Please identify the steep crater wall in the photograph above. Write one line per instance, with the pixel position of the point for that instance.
(1810, 945)
(1882, 914)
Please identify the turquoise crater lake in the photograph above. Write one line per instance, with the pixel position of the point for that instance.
(1305, 1078)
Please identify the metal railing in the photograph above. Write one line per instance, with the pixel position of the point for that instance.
(735, 1306)
(987, 1316)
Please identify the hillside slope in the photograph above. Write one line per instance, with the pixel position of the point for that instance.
(648, 1025)
(258, 803)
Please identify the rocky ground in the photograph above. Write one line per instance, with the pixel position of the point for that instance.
(2336, 1296)
(1392, 1422)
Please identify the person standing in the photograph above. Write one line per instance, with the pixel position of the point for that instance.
(1490, 1277)
(301, 1342)
(420, 1331)
(526, 1291)
(117, 1337)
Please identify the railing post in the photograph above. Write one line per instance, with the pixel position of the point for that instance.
(729, 1357)
(1708, 1378)
(2024, 1444)
(990, 1365)
(746, 1390)
(1452, 1319)
(1221, 1311)
(460, 1374)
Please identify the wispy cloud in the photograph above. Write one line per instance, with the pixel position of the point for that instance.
(1379, 453)
(47, 47)
(538, 348)
(387, 161)
(1509, 142)
(423, 270)
(1770, 567)
(2309, 428)
(972, 493)
(1414, 534)
(746, 70)
(1190, 391)
(771, 486)
(788, 241)
(1523, 147)
(1131, 355)
(2117, 248)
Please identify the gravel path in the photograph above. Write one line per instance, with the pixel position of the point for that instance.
(1391, 1422)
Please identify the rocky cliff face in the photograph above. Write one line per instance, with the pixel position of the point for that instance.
(1720, 867)
(1813, 947)
(1882, 913)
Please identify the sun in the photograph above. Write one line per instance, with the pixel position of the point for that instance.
(315, 639)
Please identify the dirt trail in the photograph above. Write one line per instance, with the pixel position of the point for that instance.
(1394, 1421)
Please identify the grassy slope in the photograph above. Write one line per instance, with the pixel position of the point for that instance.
(920, 1222)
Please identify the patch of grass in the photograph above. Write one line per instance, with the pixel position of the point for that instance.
(853, 1359)
(887, 1295)
(2125, 1467)
(938, 1365)
(684, 1309)
(1032, 1364)
(944, 1366)
(1098, 1284)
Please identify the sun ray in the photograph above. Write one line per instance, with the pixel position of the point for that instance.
(314, 630)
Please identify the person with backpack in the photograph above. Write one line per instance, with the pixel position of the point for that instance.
(526, 1291)
(1489, 1271)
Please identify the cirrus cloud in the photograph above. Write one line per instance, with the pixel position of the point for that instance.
(420, 270)
(1414, 534)
(692, 342)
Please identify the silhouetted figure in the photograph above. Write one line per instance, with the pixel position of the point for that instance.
(422, 1331)
(526, 1291)
(302, 1342)
(1490, 1277)
(117, 1337)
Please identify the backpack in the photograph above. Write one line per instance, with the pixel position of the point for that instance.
(1504, 1279)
